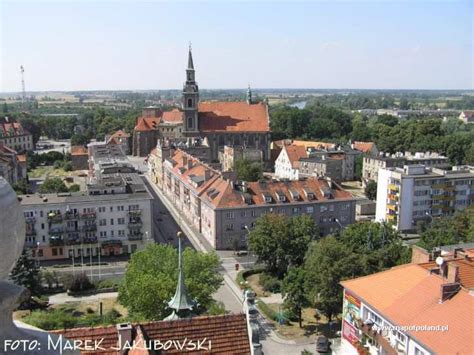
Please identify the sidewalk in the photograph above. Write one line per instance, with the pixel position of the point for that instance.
(61, 298)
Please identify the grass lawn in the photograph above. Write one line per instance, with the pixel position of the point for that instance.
(74, 314)
(47, 171)
(311, 325)
(254, 283)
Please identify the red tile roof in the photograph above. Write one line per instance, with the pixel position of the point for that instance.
(226, 334)
(173, 116)
(147, 123)
(78, 150)
(466, 270)
(295, 153)
(12, 129)
(365, 147)
(21, 158)
(239, 116)
(109, 335)
(409, 295)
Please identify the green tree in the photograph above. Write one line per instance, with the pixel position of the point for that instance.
(27, 274)
(327, 263)
(79, 139)
(371, 190)
(74, 188)
(247, 170)
(151, 278)
(449, 230)
(53, 185)
(294, 292)
(22, 187)
(280, 242)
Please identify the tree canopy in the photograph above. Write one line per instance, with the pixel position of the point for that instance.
(247, 170)
(449, 230)
(279, 241)
(151, 278)
(27, 274)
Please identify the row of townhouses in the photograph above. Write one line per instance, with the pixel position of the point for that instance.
(223, 210)
(111, 217)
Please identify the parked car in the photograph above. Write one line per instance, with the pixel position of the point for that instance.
(241, 253)
(322, 344)
(253, 311)
(249, 295)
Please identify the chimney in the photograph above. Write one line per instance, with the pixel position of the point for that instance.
(185, 160)
(244, 186)
(419, 255)
(190, 163)
(453, 273)
(207, 174)
(124, 331)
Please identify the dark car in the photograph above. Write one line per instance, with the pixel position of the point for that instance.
(322, 344)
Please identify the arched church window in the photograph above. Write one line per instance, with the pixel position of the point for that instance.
(190, 102)
(190, 122)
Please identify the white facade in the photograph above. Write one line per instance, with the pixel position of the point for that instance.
(284, 167)
(62, 225)
(414, 193)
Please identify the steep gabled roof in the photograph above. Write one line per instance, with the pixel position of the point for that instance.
(295, 153)
(223, 116)
(365, 147)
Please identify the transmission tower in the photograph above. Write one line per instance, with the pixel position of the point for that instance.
(23, 93)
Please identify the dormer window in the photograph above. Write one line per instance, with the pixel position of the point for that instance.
(267, 197)
(280, 196)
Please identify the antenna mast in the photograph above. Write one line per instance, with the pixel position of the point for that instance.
(23, 93)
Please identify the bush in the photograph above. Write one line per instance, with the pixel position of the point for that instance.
(216, 308)
(67, 166)
(52, 319)
(107, 284)
(74, 188)
(243, 274)
(270, 283)
(267, 311)
(79, 282)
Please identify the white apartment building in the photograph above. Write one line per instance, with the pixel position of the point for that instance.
(63, 225)
(415, 193)
(112, 217)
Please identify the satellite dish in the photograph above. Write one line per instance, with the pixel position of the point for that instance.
(439, 261)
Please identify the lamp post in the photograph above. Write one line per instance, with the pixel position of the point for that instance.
(248, 246)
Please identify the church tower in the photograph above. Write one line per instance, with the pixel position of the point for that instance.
(190, 100)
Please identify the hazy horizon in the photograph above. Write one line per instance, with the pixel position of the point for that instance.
(142, 46)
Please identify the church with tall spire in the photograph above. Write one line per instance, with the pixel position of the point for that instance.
(243, 123)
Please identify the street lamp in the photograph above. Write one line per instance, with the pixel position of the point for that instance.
(248, 246)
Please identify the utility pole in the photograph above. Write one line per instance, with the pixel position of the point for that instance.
(23, 92)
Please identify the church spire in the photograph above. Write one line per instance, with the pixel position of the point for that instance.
(249, 95)
(180, 301)
(190, 58)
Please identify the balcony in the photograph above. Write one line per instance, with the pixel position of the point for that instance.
(55, 217)
(31, 232)
(111, 242)
(56, 230)
(89, 240)
(88, 215)
(30, 220)
(73, 240)
(393, 187)
(71, 215)
(135, 213)
(72, 229)
(138, 236)
(56, 241)
(392, 207)
(379, 340)
(135, 223)
(89, 228)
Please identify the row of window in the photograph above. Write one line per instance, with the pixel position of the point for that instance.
(101, 209)
(294, 210)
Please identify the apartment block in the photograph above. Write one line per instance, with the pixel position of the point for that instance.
(414, 193)
(223, 210)
(113, 216)
(372, 163)
(420, 308)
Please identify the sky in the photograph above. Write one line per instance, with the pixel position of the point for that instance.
(136, 45)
